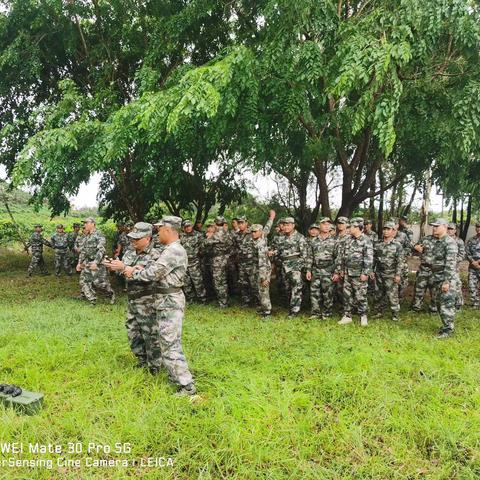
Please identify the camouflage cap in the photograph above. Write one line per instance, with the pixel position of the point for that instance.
(59, 226)
(219, 220)
(367, 222)
(256, 227)
(452, 226)
(289, 220)
(280, 221)
(438, 222)
(389, 224)
(89, 219)
(76, 225)
(140, 230)
(38, 226)
(313, 225)
(404, 218)
(242, 218)
(170, 221)
(356, 222)
(187, 223)
(343, 220)
(325, 220)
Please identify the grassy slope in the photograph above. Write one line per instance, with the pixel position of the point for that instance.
(285, 399)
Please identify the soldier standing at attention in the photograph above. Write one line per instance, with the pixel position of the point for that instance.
(262, 268)
(387, 269)
(403, 227)
(369, 232)
(168, 270)
(444, 265)
(404, 236)
(276, 245)
(90, 263)
(193, 244)
(72, 238)
(36, 244)
(294, 257)
(354, 265)
(452, 231)
(60, 243)
(322, 265)
(140, 295)
(424, 279)
(221, 244)
(342, 235)
(472, 252)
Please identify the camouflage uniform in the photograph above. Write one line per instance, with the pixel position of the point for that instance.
(356, 259)
(472, 252)
(387, 264)
(36, 244)
(372, 282)
(293, 255)
(276, 245)
(220, 243)
(261, 271)
(444, 264)
(124, 244)
(165, 333)
(458, 281)
(72, 251)
(321, 262)
(93, 250)
(60, 245)
(340, 241)
(424, 278)
(403, 238)
(194, 286)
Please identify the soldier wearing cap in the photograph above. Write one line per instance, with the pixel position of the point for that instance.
(60, 243)
(387, 270)
(321, 262)
(140, 295)
(220, 243)
(424, 276)
(116, 239)
(123, 243)
(193, 245)
(165, 333)
(276, 245)
(293, 253)
(72, 238)
(354, 265)
(369, 232)
(93, 273)
(342, 235)
(472, 252)
(404, 236)
(35, 244)
(312, 232)
(452, 231)
(403, 227)
(444, 264)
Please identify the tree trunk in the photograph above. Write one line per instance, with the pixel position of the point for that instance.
(461, 214)
(425, 203)
(371, 206)
(381, 204)
(464, 231)
(454, 213)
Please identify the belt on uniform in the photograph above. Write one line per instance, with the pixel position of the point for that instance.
(152, 291)
(168, 290)
(324, 264)
(437, 268)
(290, 257)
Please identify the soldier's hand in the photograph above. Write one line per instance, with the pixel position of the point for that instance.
(272, 214)
(397, 279)
(128, 272)
(418, 248)
(78, 268)
(265, 283)
(93, 266)
(115, 265)
(363, 277)
(372, 275)
(445, 287)
(335, 278)
(308, 276)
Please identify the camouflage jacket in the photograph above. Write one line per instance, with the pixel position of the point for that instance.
(243, 243)
(388, 258)
(168, 269)
(426, 257)
(193, 245)
(220, 243)
(321, 255)
(444, 259)
(77, 246)
(93, 248)
(472, 249)
(409, 234)
(340, 242)
(460, 250)
(71, 239)
(37, 242)
(356, 258)
(372, 236)
(59, 241)
(261, 259)
(292, 251)
(404, 241)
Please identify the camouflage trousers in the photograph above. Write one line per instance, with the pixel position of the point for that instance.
(446, 304)
(423, 282)
(354, 295)
(73, 259)
(247, 282)
(140, 316)
(232, 275)
(294, 286)
(473, 284)
(387, 293)
(194, 286)
(460, 300)
(37, 261)
(62, 260)
(322, 290)
(404, 280)
(95, 280)
(219, 278)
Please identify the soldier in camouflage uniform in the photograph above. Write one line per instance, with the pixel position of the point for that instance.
(403, 227)
(116, 240)
(93, 274)
(321, 262)
(292, 252)
(472, 252)
(354, 265)
(233, 267)
(72, 252)
(424, 278)
(341, 237)
(140, 295)
(275, 244)
(36, 244)
(404, 236)
(444, 265)
(452, 231)
(193, 244)
(262, 268)
(59, 242)
(387, 269)
(168, 271)
(220, 243)
(370, 233)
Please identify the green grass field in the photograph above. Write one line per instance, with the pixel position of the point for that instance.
(281, 399)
